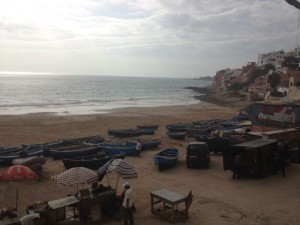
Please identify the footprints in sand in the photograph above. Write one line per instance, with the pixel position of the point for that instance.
(228, 212)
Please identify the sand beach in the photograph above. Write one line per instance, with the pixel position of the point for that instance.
(218, 199)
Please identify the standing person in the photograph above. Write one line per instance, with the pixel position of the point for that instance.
(276, 161)
(282, 161)
(127, 204)
(138, 148)
(237, 161)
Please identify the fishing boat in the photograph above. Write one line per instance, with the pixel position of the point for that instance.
(90, 139)
(148, 131)
(93, 162)
(5, 151)
(68, 144)
(166, 158)
(63, 144)
(177, 135)
(28, 161)
(146, 144)
(196, 130)
(116, 131)
(177, 127)
(150, 126)
(128, 133)
(109, 149)
(81, 151)
(201, 138)
(8, 158)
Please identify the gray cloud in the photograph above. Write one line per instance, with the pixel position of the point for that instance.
(203, 36)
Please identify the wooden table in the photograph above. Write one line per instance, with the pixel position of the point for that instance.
(168, 199)
(63, 202)
(58, 206)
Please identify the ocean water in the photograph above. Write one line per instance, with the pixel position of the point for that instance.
(78, 94)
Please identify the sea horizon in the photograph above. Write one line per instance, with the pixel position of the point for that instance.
(91, 94)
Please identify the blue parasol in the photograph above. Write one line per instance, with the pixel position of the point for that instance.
(102, 170)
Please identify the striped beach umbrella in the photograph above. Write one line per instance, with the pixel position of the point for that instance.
(123, 168)
(75, 176)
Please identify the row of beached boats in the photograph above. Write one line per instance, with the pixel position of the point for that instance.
(180, 131)
(134, 132)
(90, 152)
(93, 152)
(84, 152)
(201, 131)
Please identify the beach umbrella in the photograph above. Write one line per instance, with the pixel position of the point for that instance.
(123, 168)
(102, 170)
(18, 173)
(75, 176)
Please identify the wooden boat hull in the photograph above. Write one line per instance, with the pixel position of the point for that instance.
(166, 158)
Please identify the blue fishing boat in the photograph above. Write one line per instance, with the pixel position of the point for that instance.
(63, 144)
(196, 130)
(68, 144)
(178, 127)
(166, 158)
(177, 135)
(4, 151)
(149, 126)
(148, 131)
(131, 133)
(81, 151)
(8, 158)
(116, 131)
(146, 144)
(93, 162)
(109, 149)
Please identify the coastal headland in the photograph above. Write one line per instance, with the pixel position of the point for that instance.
(218, 199)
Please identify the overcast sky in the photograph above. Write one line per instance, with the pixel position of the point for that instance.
(157, 38)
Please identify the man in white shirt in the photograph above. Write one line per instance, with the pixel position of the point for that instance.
(127, 204)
